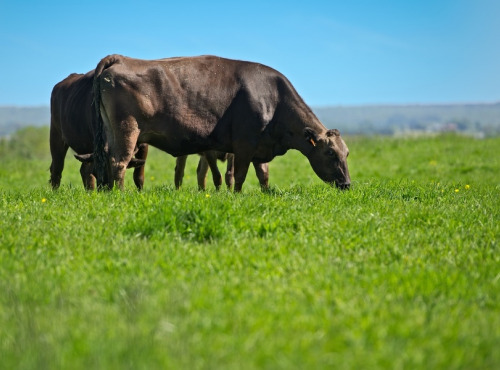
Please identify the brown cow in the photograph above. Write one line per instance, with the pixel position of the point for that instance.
(194, 104)
(72, 126)
(209, 160)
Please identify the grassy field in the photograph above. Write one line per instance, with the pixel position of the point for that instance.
(400, 272)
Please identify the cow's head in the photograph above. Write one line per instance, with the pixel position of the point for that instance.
(105, 182)
(327, 154)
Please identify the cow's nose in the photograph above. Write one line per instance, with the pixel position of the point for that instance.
(343, 186)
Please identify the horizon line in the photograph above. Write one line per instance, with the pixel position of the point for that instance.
(332, 105)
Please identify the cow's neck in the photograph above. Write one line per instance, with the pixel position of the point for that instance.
(296, 122)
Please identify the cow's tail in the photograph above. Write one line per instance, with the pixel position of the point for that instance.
(100, 154)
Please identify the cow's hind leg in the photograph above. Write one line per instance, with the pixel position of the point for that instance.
(142, 153)
(58, 150)
(121, 149)
(180, 165)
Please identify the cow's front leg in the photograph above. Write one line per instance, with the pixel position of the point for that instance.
(180, 165)
(211, 158)
(230, 171)
(58, 150)
(262, 172)
(201, 172)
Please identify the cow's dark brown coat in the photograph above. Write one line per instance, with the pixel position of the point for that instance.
(194, 104)
(72, 126)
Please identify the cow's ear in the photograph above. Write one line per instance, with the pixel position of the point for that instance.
(85, 158)
(311, 136)
(134, 162)
(333, 132)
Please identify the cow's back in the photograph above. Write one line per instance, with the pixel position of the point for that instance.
(71, 111)
(192, 101)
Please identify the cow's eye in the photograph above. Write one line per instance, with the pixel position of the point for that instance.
(330, 153)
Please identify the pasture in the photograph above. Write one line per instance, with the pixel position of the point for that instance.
(402, 271)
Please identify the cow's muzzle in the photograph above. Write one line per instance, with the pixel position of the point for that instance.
(343, 185)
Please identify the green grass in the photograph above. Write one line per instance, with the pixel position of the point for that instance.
(402, 271)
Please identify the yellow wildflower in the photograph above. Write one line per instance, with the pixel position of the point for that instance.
(467, 187)
(44, 200)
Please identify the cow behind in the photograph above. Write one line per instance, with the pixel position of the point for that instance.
(209, 160)
(190, 105)
(72, 125)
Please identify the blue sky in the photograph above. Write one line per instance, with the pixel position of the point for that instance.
(334, 52)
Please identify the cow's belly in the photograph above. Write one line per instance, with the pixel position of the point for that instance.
(175, 146)
(182, 139)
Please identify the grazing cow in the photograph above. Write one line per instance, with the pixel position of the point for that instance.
(194, 104)
(209, 160)
(72, 126)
